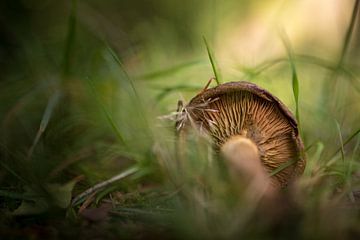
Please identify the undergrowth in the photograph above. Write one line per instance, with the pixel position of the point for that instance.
(88, 147)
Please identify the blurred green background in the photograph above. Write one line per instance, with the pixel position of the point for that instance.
(83, 83)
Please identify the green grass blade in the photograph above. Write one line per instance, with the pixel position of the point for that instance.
(349, 172)
(352, 159)
(11, 171)
(70, 38)
(142, 109)
(81, 197)
(350, 75)
(345, 143)
(332, 78)
(169, 71)
(53, 101)
(357, 145)
(15, 195)
(168, 90)
(213, 63)
(121, 66)
(341, 141)
(253, 72)
(295, 80)
(282, 167)
(303, 58)
(349, 32)
(106, 113)
(310, 146)
(295, 85)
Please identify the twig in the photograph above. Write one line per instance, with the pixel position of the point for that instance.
(103, 184)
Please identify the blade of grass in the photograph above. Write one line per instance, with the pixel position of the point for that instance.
(357, 145)
(15, 195)
(327, 64)
(20, 103)
(121, 66)
(53, 101)
(303, 58)
(78, 199)
(213, 63)
(282, 167)
(141, 107)
(351, 76)
(295, 80)
(7, 168)
(105, 192)
(107, 113)
(169, 90)
(313, 166)
(169, 71)
(341, 141)
(345, 143)
(70, 38)
(253, 72)
(349, 32)
(318, 153)
(139, 211)
(319, 150)
(332, 78)
(350, 170)
(311, 146)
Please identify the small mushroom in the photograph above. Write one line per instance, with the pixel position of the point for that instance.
(250, 127)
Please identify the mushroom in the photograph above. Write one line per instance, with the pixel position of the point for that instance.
(252, 129)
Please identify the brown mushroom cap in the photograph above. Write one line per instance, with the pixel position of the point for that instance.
(243, 108)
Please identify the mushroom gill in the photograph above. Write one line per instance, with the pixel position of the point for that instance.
(242, 109)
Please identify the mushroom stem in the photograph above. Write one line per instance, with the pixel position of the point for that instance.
(242, 154)
(245, 165)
